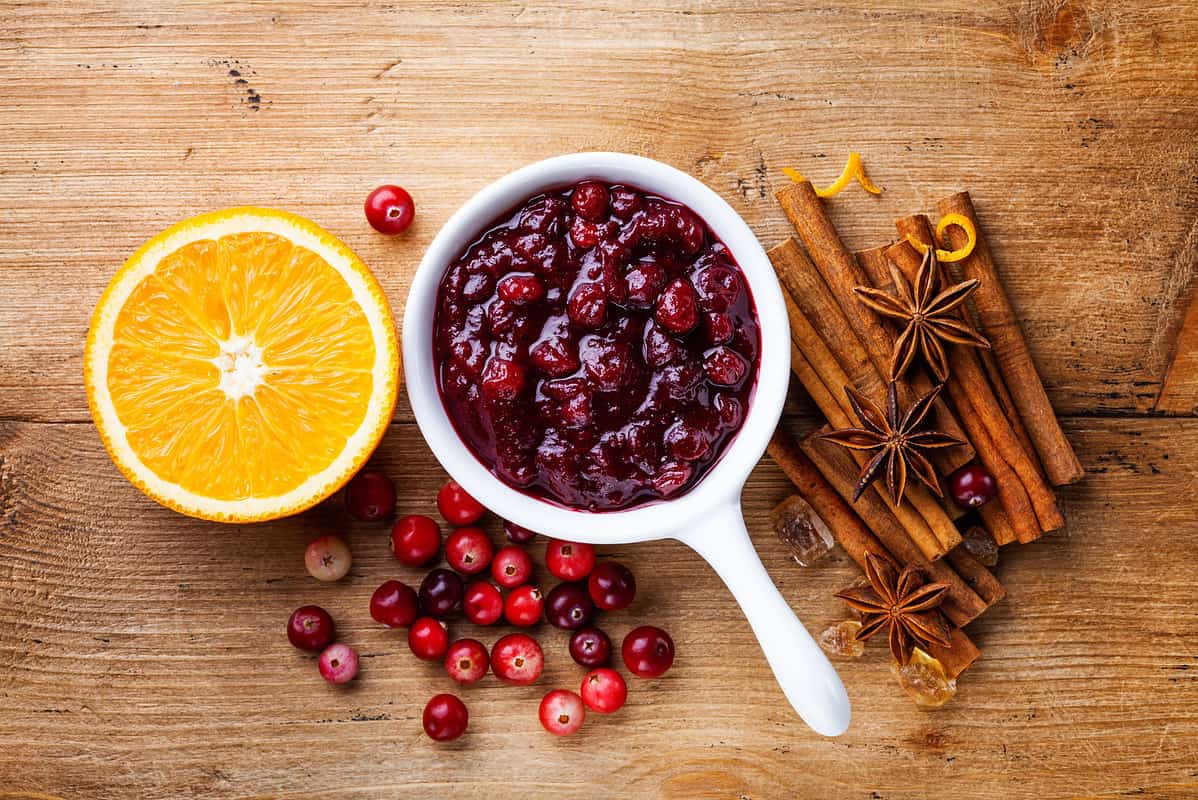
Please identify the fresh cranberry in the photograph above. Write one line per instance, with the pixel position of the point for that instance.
(310, 628)
(603, 690)
(972, 486)
(648, 651)
(467, 661)
(590, 647)
(482, 603)
(390, 210)
(468, 550)
(327, 558)
(338, 663)
(457, 507)
(587, 305)
(523, 607)
(370, 496)
(612, 586)
(725, 367)
(677, 309)
(428, 639)
(394, 604)
(521, 289)
(569, 606)
(569, 561)
(624, 202)
(445, 718)
(590, 200)
(562, 712)
(517, 658)
(516, 534)
(415, 540)
(440, 592)
(511, 567)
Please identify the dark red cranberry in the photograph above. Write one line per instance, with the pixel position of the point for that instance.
(584, 234)
(415, 540)
(671, 477)
(648, 651)
(686, 442)
(516, 534)
(503, 379)
(643, 283)
(467, 661)
(604, 691)
(677, 309)
(338, 663)
(688, 229)
(521, 289)
(440, 592)
(730, 411)
(569, 606)
(482, 603)
(370, 496)
(390, 209)
(457, 507)
(523, 607)
(624, 202)
(428, 639)
(561, 712)
(517, 659)
(511, 567)
(590, 647)
(607, 363)
(555, 357)
(445, 718)
(660, 347)
(587, 305)
(611, 586)
(468, 550)
(310, 628)
(972, 486)
(394, 604)
(569, 561)
(718, 287)
(725, 367)
(590, 200)
(717, 328)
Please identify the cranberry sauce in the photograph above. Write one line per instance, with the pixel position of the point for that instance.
(598, 347)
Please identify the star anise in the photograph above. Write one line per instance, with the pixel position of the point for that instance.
(901, 602)
(929, 315)
(896, 438)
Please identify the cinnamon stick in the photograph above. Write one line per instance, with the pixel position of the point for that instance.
(997, 523)
(1001, 326)
(974, 572)
(957, 657)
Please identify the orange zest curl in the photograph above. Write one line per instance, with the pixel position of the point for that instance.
(852, 171)
(949, 256)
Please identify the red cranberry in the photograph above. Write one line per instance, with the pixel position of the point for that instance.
(562, 712)
(445, 718)
(370, 496)
(523, 607)
(648, 651)
(686, 442)
(555, 357)
(569, 561)
(415, 540)
(587, 305)
(607, 363)
(390, 210)
(310, 628)
(717, 328)
(729, 409)
(972, 486)
(511, 567)
(521, 289)
(440, 592)
(569, 606)
(338, 663)
(660, 347)
(671, 477)
(590, 200)
(327, 558)
(590, 647)
(517, 659)
(467, 661)
(612, 586)
(603, 690)
(482, 603)
(503, 379)
(468, 550)
(644, 282)
(688, 229)
(624, 202)
(457, 507)
(677, 309)
(725, 367)
(428, 639)
(394, 604)
(516, 534)
(584, 234)
(718, 287)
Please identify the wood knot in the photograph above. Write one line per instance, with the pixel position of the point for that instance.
(1058, 30)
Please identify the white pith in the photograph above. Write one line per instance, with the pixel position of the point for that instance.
(241, 367)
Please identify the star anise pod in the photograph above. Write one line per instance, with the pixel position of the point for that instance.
(901, 602)
(929, 315)
(896, 438)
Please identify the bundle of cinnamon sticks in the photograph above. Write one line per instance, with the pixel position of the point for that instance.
(993, 400)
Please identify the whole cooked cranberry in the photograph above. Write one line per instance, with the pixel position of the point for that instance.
(607, 363)
(717, 328)
(686, 442)
(671, 477)
(569, 606)
(370, 496)
(503, 379)
(677, 307)
(555, 357)
(648, 651)
(457, 507)
(482, 603)
(521, 289)
(624, 202)
(569, 561)
(445, 718)
(523, 607)
(511, 567)
(590, 200)
(338, 663)
(590, 647)
(729, 409)
(587, 305)
(468, 550)
(725, 367)
(543, 216)
(660, 347)
(390, 209)
(415, 540)
(394, 604)
(561, 712)
(440, 592)
(327, 558)
(644, 282)
(584, 234)
(516, 534)
(518, 659)
(718, 287)
(611, 586)
(467, 661)
(603, 690)
(310, 628)
(428, 639)
(688, 229)
(972, 486)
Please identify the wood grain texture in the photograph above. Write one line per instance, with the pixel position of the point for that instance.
(141, 653)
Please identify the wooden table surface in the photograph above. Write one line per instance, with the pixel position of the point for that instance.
(142, 654)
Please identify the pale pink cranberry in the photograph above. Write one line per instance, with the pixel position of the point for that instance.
(467, 661)
(521, 289)
(517, 659)
(677, 309)
(562, 712)
(587, 305)
(338, 663)
(590, 200)
(604, 691)
(327, 558)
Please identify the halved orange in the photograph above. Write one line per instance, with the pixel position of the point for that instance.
(242, 365)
